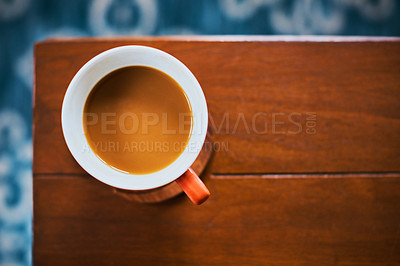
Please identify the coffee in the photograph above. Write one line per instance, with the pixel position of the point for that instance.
(137, 120)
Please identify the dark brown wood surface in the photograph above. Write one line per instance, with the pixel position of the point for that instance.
(247, 220)
(278, 197)
(352, 87)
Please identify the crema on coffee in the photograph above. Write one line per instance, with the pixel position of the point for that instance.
(137, 120)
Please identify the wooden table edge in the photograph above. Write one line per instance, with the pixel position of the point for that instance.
(226, 38)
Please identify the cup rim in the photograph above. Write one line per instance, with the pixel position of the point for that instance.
(84, 81)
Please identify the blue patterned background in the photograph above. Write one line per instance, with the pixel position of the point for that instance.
(24, 22)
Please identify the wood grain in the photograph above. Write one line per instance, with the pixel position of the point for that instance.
(320, 220)
(352, 86)
(307, 208)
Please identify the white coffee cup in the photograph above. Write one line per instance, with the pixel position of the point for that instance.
(72, 120)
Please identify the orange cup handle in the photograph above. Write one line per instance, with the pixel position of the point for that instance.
(193, 187)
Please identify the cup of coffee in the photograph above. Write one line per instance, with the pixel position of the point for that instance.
(135, 118)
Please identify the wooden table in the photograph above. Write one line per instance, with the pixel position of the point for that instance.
(307, 170)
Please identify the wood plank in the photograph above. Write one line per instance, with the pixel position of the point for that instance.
(247, 221)
(352, 86)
